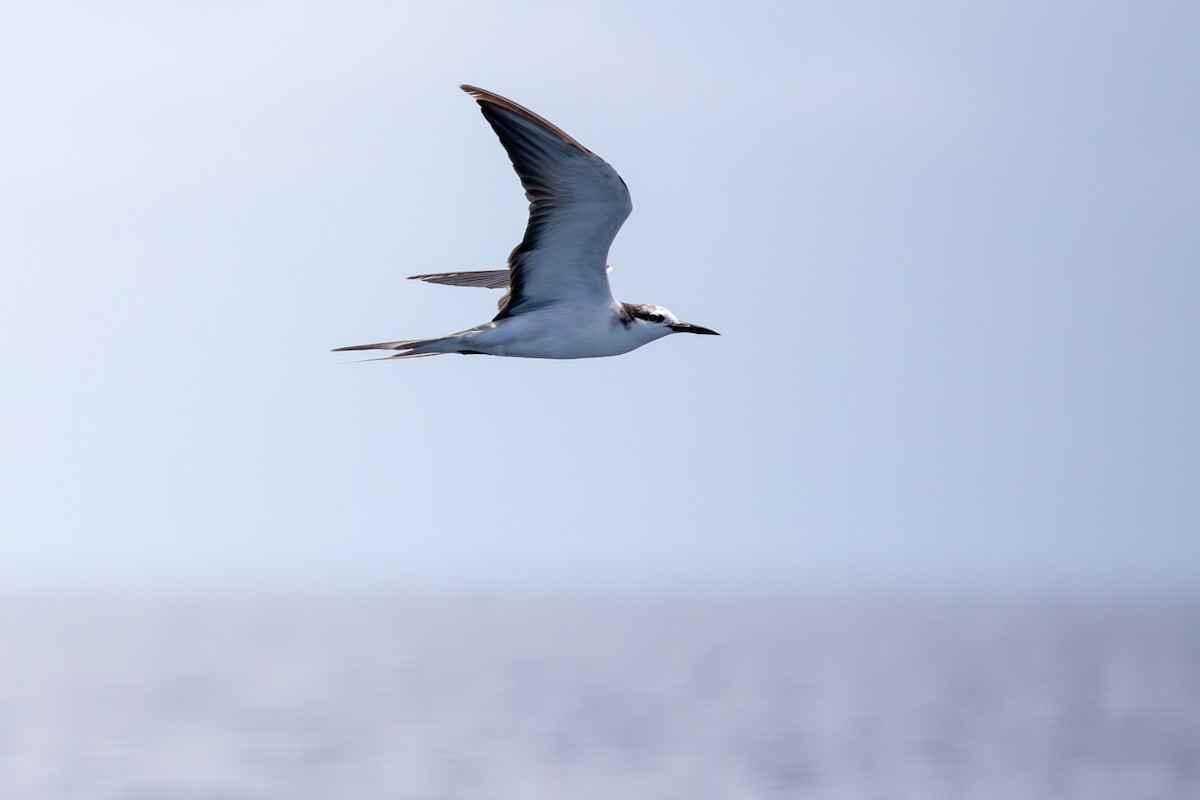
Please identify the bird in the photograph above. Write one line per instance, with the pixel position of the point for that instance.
(559, 304)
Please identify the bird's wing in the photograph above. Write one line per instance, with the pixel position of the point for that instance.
(485, 278)
(577, 204)
(488, 279)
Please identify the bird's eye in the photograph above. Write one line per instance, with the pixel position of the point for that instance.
(656, 317)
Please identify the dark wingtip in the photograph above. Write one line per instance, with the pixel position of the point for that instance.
(483, 96)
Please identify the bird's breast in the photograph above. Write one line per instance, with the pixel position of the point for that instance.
(559, 333)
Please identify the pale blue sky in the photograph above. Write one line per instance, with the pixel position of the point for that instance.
(953, 250)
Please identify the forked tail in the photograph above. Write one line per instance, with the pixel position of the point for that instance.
(412, 348)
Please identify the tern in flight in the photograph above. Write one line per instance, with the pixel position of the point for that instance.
(558, 304)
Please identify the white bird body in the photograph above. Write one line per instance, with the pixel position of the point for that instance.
(559, 304)
(553, 332)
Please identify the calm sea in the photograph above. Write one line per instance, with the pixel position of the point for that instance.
(536, 697)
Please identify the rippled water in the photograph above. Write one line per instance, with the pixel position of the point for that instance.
(568, 697)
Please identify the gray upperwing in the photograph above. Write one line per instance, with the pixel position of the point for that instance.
(577, 203)
(487, 279)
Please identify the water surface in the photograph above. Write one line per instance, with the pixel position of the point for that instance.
(565, 696)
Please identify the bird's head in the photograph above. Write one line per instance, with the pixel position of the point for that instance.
(656, 321)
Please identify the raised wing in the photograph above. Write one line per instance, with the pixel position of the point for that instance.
(577, 203)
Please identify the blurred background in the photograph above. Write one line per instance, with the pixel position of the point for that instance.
(923, 522)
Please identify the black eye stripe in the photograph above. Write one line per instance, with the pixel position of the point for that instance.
(641, 311)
